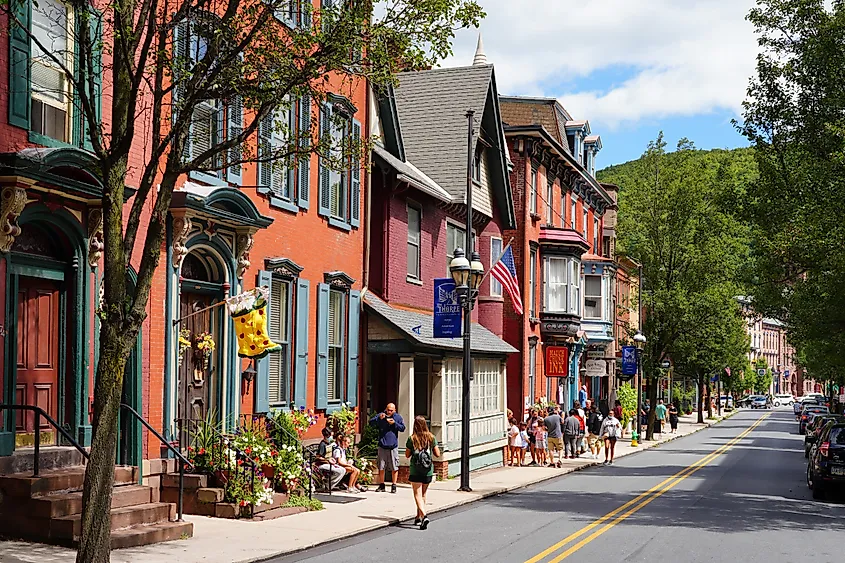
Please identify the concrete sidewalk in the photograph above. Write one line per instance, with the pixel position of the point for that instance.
(345, 515)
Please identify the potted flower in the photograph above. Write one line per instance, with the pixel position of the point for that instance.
(184, 342)
(204, 343)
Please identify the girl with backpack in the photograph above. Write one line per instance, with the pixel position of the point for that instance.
(421, 448)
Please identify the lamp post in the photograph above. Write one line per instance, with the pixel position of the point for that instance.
(467, 274)
(639, 340)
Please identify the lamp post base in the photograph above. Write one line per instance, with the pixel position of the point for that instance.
(466, 489)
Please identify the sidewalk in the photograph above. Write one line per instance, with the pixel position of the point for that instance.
(345, 515)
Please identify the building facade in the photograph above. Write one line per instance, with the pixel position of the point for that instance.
(418, 217)
(565, 336)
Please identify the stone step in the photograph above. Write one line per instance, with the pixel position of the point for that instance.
(24, 485)
(153, 533)
(67, 504)
(68, 527)
(278, 512)
(192, 481)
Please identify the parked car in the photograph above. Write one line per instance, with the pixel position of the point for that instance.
(745, 401)
(727, 402)
(815, 427)
(784, 399)
(805, 415)
(761, 402)
(826, 469)
(817, 397)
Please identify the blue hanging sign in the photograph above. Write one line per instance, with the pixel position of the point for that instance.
(447, 309)
(629, 360)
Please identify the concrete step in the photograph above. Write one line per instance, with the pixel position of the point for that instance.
(22, 460)
(278, 512)
(192, 481)
(153, 533)
(69, 479)
(67, 504)
(68, 527)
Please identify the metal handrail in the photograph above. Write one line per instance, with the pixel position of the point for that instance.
(184, 461)
(39, 412)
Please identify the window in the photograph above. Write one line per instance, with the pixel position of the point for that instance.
(477, 163)
(421, 399)
(550, 202)
(280, 178)
(592, 297)
(573, 210)
(532, 202)
(585, 224)
(532, 283)
(279, 332)
(596, 240)
(532, 370)
(455, 238)
(495, 253)
(414, 242)
(51, 93)
(485, 388)
(340, 169)
(336, 356)
(557, 270)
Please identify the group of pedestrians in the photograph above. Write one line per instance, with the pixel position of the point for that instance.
(550, 435)
(662, 414)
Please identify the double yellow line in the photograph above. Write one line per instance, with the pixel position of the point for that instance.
(636, 504)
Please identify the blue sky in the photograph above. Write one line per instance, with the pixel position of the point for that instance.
(630, 67)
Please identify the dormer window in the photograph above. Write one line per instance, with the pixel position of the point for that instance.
(476, 164)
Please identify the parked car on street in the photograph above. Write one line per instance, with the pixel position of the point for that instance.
(727, 402)
(745, 401)
(815, 427)
(761, 402)
(826, 469)
(784, 399)
(805, 415)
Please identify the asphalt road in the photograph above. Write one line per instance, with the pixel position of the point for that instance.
(678, 503)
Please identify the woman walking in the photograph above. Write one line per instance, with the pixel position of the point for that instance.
(610, 430)
(673, 417)
(421, 448)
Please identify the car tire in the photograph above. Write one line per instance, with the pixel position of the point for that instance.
(777, 404)
(791, 403)
(806, 453)
(818, 491)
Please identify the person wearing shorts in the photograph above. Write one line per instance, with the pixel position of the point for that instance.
(610, 430)
(553, 427)
(389, 424)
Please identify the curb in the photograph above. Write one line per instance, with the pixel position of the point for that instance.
(480, 496)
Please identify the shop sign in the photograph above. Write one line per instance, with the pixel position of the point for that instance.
(629, 360)
(595, 354)
(558, 327)
(447, 309)
(557, 361)
(596, 368)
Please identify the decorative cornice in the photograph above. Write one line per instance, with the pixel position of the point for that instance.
(339, 279)
(284, 267)
(95, 237)
(12, 202)
(342, 103)
(181, 229)
(243, 243)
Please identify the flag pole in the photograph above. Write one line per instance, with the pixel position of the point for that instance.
(490, 269)
(204, 309)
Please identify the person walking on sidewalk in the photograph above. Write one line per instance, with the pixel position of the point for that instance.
(611, 428)
(553, 425)
(421, 448)
(582, 433)
(617, 412)
(571, 428)
(389, 424)
(673, 417)
(660, 415)
(594, 421)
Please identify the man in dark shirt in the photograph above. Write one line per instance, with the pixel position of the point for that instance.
(389, 424)
(553, 423)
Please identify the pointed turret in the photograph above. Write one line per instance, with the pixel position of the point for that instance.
(480, 58)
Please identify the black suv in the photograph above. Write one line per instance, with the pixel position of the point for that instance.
(827, 464)
(815, 428)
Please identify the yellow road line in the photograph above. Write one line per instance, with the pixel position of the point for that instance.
(643, 499)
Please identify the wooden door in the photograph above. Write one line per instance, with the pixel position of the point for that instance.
(194, 373)
(37, 354)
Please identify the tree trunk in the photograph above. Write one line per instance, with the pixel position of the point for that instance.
(700, 391)
(709, 402)
(95, 545)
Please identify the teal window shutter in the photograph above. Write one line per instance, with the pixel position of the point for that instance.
(304, 115)
(19, 67)
(322, 345)
(352, 363)
(300, 384)
(235, 114)
(355, 196)
(261, 387)
(265, 148)
(324, 172)
(95, 28)
(181, 39)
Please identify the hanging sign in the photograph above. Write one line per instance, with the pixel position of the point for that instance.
(557, 361)
(596, 368)
(629, 360)
(447, 309)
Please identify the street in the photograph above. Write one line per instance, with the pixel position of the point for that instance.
(733, 491)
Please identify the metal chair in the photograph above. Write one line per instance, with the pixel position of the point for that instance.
(322, 478)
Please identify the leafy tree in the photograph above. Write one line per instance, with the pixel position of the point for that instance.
(674, 220)
(161, 61)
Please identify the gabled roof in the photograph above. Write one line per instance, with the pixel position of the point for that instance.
(432, 107)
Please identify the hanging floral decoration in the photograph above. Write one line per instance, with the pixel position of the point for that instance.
(204, 345)
(184, 342)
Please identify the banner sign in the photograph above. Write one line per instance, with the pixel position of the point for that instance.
(447, 309)
(629, 360)
(596, 368)
(557, 361)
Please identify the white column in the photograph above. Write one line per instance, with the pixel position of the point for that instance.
(437, 401)
(406, 402)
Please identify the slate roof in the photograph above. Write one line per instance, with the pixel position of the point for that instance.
(407, 172)
(432, 106)
(406, 321)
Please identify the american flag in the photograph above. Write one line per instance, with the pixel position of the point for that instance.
(505, 273)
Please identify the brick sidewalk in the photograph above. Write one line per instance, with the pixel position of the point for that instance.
(233, 541)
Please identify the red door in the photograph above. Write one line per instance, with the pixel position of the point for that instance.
(38, 353)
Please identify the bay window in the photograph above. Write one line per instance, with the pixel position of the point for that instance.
(574, 287)
(562, 291)
(495, 252)
(592, 297)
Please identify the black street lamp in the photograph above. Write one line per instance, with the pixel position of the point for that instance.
(467, 275)
(639, 340)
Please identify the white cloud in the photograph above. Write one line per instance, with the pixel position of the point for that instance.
(675, 58)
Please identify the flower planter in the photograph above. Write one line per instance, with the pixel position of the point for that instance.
(269, 471)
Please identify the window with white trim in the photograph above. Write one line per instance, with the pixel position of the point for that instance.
(550, 202)
(573, 211)
(486, 393)
(453, 369)
(574, 307)
(532, 202)
(557, 270)
(532, 284)
(414, 234)
(455, 238)
(596, 240)
(279, 332)
(592, 297)
(52, 96)
(495, 252)
(337, 303)
(586, 219)
(532, 370)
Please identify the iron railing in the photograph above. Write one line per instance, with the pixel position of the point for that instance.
(281, 436)
(39, 412)
(215, 455)
(183, 462)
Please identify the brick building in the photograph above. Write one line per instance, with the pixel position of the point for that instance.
(563, 257)
(418, 218)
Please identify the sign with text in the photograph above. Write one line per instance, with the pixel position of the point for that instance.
(447, 309)
(629, 360)
(557, 361)
(596, 368)
(595, 354)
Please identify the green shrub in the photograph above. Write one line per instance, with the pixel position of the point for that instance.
(302, 500)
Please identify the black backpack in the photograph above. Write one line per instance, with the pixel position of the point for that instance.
(422, 459)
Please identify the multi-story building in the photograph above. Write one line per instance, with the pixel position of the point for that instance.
(562, 255)
(418, 219)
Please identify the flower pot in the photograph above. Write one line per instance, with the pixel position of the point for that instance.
(269, 471)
